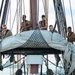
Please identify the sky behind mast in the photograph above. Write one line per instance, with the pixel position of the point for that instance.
(51, 14)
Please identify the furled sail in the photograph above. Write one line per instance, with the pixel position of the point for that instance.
(41, 39)
(34, 39)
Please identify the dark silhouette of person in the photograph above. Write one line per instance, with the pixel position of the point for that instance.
(19, 72)
(50, 72)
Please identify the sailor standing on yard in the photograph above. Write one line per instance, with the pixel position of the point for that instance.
(70, 35)
(5, 32)
(43, 24)
(25, 24)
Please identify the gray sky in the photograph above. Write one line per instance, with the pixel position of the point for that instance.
(51, 14)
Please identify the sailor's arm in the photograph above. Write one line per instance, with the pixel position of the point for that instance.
(73, 37)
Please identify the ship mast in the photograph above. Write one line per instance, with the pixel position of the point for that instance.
(34, 20)
(60, 17)
(33, 13)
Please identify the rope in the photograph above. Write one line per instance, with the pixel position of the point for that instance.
(10, 13)
(37, 16)
(71, 15)
(63, 5)
(7, 13)
(46, 5)
(24, 6)
(53, 63)
(1, 7)
(15, 15)
(19, 14)
(31, 13)
(23, 64)
(46, 8)
(6, 63)
(11, 64)
(43, 4)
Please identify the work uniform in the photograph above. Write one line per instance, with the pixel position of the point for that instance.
(43, 24)
(6, 34)
(25, 26)
(71, 37)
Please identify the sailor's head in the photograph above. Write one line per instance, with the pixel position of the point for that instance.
(4, 27)
(69, 29)
(51, 28)
(24, 17)
(43, 17)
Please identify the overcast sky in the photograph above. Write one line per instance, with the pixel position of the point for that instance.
(51, 11)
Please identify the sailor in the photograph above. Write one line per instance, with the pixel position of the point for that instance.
(19, 72)
(51, 28)
(56, 55)
(43, 24)
(5, 32)
(25, 24)
(70, 35)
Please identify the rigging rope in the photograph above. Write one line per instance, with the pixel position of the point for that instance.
(12, 63)
(71, 15)
(37, 16)
(10, 13)
(1, 67)
(63, 5)
(7, 12)
(4, 66)
(53, 63)
(15, 15)
(1, 7)
(24, 6)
